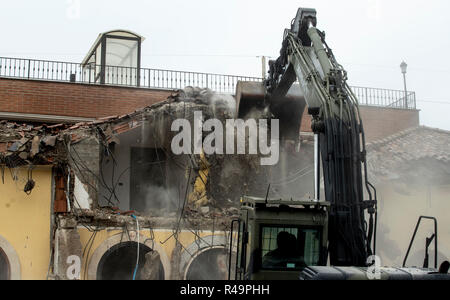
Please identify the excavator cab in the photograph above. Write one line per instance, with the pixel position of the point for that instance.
(277, 240)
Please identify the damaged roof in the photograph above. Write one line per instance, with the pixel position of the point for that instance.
(419, 154)
(413, 154)
(30, 144)
(37, 144)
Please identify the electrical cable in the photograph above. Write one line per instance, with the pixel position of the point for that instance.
(90, 244)
(138, 246)
(183, 207)
(294, 177)
(100, 181)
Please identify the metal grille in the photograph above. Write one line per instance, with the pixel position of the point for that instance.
(385, 98)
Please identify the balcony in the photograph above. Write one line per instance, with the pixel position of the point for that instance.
(89, 73)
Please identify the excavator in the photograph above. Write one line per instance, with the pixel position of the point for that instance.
(330, 238)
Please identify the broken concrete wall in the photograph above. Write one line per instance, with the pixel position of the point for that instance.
(124, 165)
(82, 199)
(153, 131)
(215, 180)
(68, 251)
(84, 161)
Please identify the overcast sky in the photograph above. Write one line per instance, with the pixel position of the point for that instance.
(370, 38)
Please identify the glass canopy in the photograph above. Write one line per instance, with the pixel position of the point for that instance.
(115, 58)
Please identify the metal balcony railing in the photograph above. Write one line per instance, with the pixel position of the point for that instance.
(385, 98)
(167, 79)
(118, 76)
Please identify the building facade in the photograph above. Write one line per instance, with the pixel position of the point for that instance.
(89, 180)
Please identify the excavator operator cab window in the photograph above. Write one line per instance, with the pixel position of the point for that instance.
(290, 248)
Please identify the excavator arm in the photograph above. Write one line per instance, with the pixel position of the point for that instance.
(340, 142)
(306, 58)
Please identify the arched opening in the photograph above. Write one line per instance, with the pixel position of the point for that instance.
(210, 264)
(5, 269)
(119, 263)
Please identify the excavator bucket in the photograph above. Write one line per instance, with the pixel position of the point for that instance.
(251, 100)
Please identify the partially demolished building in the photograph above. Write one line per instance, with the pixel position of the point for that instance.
(117, 174)
(114, 184)
(113, 175)
(91, 189)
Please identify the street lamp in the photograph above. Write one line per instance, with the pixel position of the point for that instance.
(404, 68)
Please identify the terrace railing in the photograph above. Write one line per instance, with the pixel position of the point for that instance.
(116, 75)
(167, 79)
(385, 98)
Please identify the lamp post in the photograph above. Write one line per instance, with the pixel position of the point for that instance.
(404, 68)
(264, 64)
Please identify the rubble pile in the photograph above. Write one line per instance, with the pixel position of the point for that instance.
(28, 144)
(214, 186)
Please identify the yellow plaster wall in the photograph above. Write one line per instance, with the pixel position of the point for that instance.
(25, 220)
(164, 238)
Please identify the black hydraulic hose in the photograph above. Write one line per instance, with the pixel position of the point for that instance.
(376, 222)
(358, 180)
(341, 156)
(368, 185)
(353, 171)
(356, 185)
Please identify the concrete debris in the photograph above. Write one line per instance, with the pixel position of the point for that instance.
(204, 210)
(111, 138)
(107, 217)
(49, 141)
(68, 222)
(151, 270)
(23, 155)
(25, 144)
(14, 147)
(217, 181)
(35, 146)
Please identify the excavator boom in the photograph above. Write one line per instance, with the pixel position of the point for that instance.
(340, 143)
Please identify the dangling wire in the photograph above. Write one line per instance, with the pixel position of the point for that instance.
(138, 246)
(29, 186)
